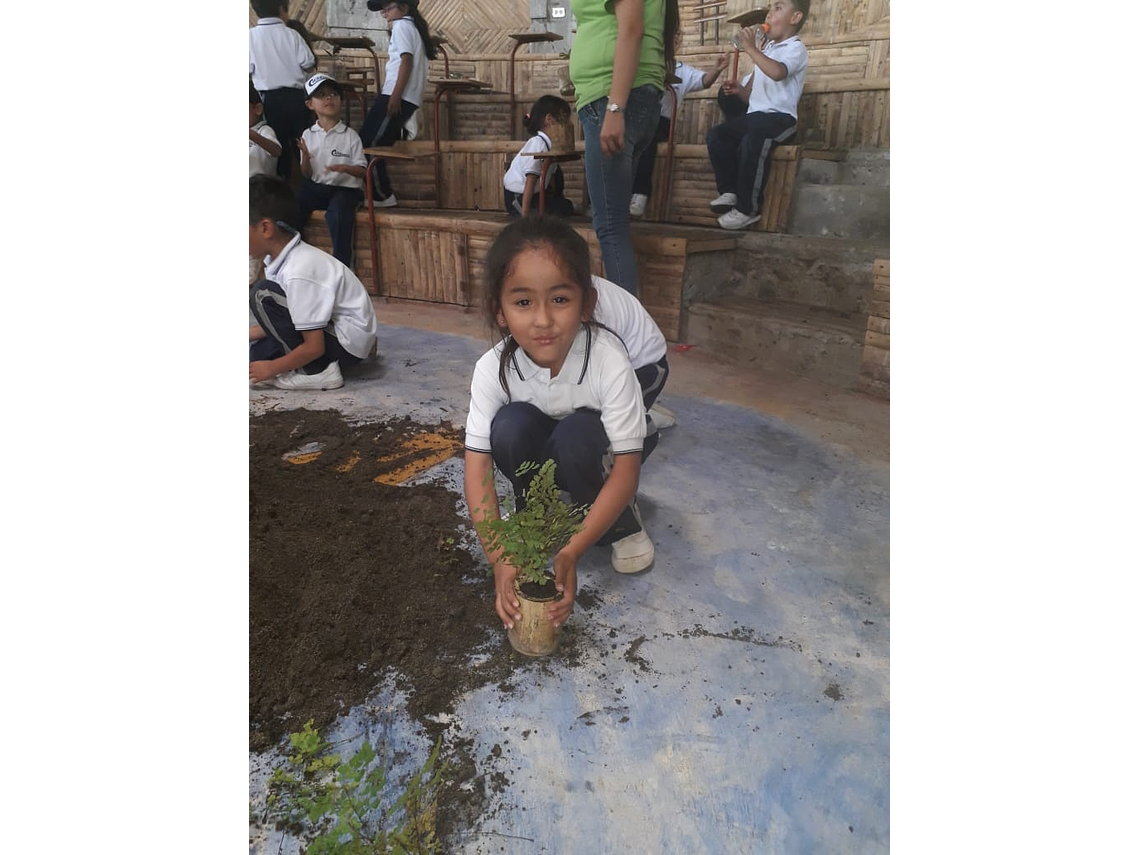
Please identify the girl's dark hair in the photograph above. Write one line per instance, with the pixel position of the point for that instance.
(254, 95)
(672, 25)
(538, 231)
(413, 7)
(547, 105)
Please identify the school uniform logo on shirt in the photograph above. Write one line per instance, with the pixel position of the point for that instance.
(336, 153)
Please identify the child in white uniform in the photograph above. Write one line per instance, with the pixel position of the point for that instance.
(558, 387)
(264, 147)
(740, 149)
(409, 49)
(332, 163)
(279, 62)
(520, 183)
(313, 315)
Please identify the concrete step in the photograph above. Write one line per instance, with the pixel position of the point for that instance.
(817, 344)
(852, 211)
(867, 167)
(825, 273)
(859, 167)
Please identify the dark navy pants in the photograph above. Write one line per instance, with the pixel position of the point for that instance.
(577, 444)
(270, 306)
(643, 169)
(339, 205)
(379, 130)
(286, 113)
(556, 203)
(740, 151)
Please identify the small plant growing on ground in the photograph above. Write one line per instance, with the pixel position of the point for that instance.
(530, 538)
(340, 806)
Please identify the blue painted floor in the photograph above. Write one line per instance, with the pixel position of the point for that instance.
(734, 698)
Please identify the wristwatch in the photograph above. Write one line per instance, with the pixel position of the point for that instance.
(614, 108)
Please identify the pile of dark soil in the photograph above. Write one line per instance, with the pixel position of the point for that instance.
(350, 579)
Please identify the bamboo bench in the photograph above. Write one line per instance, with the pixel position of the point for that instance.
(472, 180)
(440, 256)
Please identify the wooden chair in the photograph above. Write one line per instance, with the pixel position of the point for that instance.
(520, 40)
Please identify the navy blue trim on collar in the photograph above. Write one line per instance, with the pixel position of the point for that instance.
(586, 357)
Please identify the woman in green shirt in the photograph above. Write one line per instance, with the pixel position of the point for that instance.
(617, 66)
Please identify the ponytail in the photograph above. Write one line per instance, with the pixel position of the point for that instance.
(672, 25)
(422, 28)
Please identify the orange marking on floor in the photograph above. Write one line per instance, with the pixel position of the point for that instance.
(300, 459)
(441, 448)
(348, 464)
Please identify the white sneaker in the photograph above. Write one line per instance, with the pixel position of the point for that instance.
(662, 417)
(637, 204)
(330, 378)
(734, 219)
(632, 553)
(387, 202)
(723, 203)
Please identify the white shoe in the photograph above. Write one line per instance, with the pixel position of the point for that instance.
(734, 219)
(388, 201)
(662, 417)
(632, 553)
(723, 203)
(330, 378)
(637, 205)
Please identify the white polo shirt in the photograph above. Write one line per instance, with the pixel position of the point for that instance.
(780, 96)
(692, 80)
(623, 313)
(262, 162)
(405, 38)
(322, 293)
(524, 165)
(341, 144)
(278, 56)
(596, 375)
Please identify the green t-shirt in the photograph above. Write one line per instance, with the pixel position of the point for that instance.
(592, 56)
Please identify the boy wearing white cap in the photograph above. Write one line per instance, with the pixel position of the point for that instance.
(332, 166)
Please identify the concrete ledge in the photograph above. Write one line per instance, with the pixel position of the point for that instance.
(855, 211)
(819, 345)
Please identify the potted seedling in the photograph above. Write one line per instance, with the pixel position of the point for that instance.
(529, 539)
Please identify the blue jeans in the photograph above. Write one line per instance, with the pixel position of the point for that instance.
(610, 179)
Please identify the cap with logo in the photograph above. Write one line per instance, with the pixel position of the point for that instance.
(318, 80)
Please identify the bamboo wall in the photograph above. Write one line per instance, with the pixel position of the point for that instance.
(875, 371)
(846, 101)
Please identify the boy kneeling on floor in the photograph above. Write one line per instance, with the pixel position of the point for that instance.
(313, 315)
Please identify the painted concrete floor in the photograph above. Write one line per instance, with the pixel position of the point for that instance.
(732, 699)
